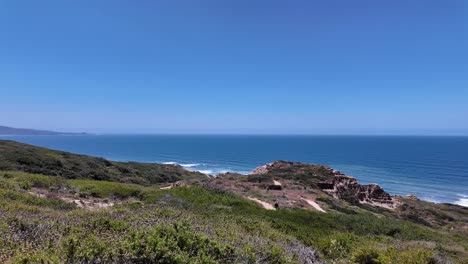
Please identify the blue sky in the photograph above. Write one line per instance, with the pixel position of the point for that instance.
(308, 67)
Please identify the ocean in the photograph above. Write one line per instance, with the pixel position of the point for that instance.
(432, 168)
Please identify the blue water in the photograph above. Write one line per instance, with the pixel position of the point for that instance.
(433, 168)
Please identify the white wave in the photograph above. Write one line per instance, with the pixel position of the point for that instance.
(208, 172)
(462, 195)
(429, 199)
(232, 171)
(211, 171)
(190, 165)
(462, 202)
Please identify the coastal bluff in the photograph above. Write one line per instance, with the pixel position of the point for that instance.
(330, 181)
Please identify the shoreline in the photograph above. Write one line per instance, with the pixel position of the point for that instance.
(462, 201)
(436, 176)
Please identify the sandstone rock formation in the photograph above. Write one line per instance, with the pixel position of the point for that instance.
(347, 188)
(330, 181)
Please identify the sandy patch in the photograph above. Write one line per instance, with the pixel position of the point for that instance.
(276, 183)
(315, 205)
(383, 205)
(262, 203)
(89, 204)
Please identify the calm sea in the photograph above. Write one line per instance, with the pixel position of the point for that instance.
(433, 168)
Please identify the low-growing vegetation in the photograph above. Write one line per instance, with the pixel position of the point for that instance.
(55, 216)
(200, 225)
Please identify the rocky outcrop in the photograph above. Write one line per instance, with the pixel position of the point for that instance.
(347, 188)
(274, 166)
(329, 180)
(261, 170)
(412, 197)
(296, 168)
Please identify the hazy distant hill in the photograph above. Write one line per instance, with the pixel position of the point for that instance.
(4, 130)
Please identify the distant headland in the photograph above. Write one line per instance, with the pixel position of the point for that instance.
(5, 130)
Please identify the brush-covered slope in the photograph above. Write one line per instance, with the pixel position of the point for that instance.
(72, 218)
(49, 219)
(16, 156)
(335, 191)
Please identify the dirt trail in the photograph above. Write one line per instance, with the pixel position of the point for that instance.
(276, 183)
(262, 203)
(88, 204)
(85, 203)
(315, 205)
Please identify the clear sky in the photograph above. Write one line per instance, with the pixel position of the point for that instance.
(318, 67)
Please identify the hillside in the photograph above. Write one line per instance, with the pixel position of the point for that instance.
(321, 216)
(16, 156)
(4, 130)
(309, 186)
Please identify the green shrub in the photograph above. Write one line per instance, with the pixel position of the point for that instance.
(275, 255)
(105, 223)
(366, 255)
(33, 258)
(175, 244)
(338, 245)
(25, 185)
(411, 256)
(104, 189)
(93, 250)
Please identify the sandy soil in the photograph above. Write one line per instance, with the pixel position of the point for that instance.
(387, 206)
(262, 203)
(85, 203)
(88, 204)
(276, 183)
(315, 205)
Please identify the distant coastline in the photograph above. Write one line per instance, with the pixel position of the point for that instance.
(11, 131)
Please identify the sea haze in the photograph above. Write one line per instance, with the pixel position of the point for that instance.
(433, 168)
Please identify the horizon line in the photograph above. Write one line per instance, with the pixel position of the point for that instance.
(243, 134)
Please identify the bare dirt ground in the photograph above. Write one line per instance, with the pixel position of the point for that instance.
(262, 203)
(276, 182)
(315, 205)
(291, 194)
(89, 204)
(85, 203)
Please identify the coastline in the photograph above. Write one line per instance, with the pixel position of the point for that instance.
(463, 201)
(428, 167)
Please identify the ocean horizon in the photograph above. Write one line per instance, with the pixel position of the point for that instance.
(434, 168)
